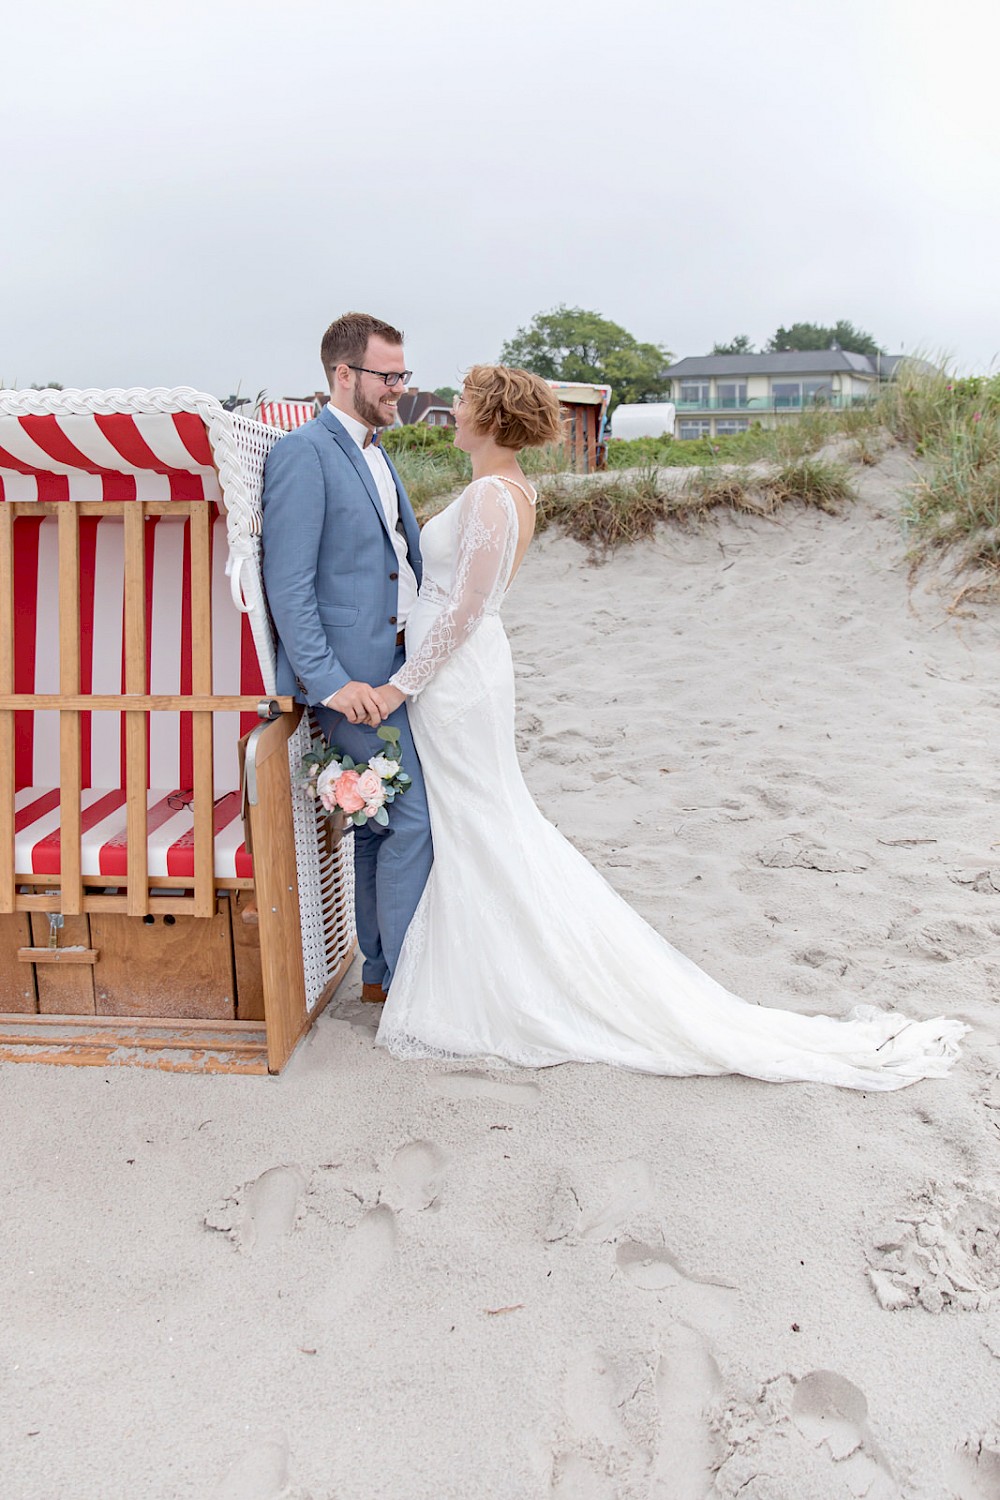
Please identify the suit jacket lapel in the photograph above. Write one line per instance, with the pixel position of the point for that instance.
(409, 521)
(350, 447)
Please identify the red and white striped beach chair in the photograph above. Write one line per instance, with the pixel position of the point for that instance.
(140, 742)
(286, 414)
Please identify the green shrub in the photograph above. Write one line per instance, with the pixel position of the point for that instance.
(418, 438)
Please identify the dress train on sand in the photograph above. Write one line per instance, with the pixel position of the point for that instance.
(519, 949)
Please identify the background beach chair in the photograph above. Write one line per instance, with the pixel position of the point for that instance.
(164, 889)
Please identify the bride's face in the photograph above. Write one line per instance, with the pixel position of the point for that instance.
(465, 436)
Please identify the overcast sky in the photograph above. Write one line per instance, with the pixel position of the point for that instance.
(193, 189)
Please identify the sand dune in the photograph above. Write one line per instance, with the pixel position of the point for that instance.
(370, 1279)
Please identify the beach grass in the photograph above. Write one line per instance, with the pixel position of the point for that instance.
(953, 425)
(603, 511)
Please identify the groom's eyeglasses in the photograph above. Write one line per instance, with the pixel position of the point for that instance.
(392, 378)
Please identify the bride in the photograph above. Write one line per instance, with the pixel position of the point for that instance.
(519, 949)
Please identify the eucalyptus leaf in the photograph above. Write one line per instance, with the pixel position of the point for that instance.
(358, 819)
(381, 817)
(388, 733)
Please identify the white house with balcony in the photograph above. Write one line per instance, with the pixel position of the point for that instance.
(719, 394)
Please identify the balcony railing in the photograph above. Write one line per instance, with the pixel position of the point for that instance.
(770, 403)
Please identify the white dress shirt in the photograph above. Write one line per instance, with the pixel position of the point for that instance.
(375, 459)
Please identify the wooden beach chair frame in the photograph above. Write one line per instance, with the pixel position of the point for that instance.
(222, 960)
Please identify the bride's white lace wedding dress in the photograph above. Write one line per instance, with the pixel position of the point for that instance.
(519, 949)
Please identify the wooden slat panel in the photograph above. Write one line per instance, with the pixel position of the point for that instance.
(246, 954)
(178, 905)
(201, 682)
(136, 831)
(179, 508)
(17, 981)
(251, 1030)
(60, 956)
(156, 703)
(69, 718)
(6, 715)
(164, 968)
(62, 991)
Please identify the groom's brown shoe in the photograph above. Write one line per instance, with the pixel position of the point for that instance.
(373, 993)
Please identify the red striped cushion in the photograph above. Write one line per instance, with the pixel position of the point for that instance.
(170, 822)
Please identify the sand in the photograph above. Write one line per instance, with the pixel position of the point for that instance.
(372, 1279)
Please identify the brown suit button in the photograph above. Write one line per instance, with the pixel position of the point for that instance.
(392, 619)
(393, 576)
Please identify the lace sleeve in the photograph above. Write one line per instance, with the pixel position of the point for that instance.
(487, 541)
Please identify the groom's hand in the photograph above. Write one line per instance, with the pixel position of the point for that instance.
(359, 703)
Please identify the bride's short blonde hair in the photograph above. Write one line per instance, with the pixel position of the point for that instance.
(517, 409)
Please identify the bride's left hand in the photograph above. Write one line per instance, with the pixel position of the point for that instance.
(390, 697)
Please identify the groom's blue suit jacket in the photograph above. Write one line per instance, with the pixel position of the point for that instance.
(329, 564)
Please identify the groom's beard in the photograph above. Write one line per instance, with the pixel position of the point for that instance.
(370, 412)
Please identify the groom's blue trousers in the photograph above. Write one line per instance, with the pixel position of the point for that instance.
(391, 864)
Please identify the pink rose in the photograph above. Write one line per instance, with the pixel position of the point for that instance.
(347, 792)
(370, 788)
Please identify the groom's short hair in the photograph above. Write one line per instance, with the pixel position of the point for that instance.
(345, 341)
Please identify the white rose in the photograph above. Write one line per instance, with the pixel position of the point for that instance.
(324, 784)
(384, 767)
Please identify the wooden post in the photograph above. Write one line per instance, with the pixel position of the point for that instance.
(201, 682)
(69, 719)
(7, 888)
(136, 721)
(277, 887)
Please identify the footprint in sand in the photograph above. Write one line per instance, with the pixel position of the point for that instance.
(359, 1258)
(638, 1422)
(261, 1473)
(261, 1213)
(470, 1085)
(688, 1383)
(414, 1177)
(700, 1300)
(815, 1428)
(593, 1204)
(608, 1410)
(973, 1470)
(829, 1411)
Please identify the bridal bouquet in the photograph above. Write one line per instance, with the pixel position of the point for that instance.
(357, 789)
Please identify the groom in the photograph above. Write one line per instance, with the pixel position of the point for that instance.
(341, 571)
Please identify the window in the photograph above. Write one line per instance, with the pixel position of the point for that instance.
(694, 429)
(732, 392)
(725, 426)
(786, 392)
(694, 392)
(816, 392)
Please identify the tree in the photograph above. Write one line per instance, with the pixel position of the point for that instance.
(739, 345)
(446, 392)
(816, 336)
(572, 343)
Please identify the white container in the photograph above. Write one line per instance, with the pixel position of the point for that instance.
(645, 419)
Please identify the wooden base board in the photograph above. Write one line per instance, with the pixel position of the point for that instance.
(147, 1042)
(171, 1049)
